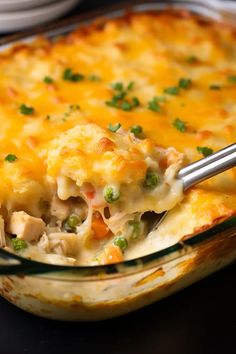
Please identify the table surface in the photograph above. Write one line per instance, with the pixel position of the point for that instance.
(200, 319)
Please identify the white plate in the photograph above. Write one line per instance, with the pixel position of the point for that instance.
(21, 20)
(14, 5)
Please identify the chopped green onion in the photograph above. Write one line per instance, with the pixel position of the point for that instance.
(18, 244)
(184, 83)
(118, 101)
(111, 194)
(137, 130)
(180, 125)
(48, 80)
(118, 86)
(113, 103)
(71, 222)
(232, 79)
(126, 106)
(151, 180)
(120, 96)
(204, 150)
(115, 99)
(135, 102)
(121, 242)
(26, 110)
(114, 128)
(68, 75)
(153, 105)
(10, 158)
(172, 90)
(214, 87)
(130, 86)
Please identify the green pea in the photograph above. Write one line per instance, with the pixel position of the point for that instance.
(136, 229)
(18, 244)
(111, 194)
(71, 222)
(121, 242)
(151, 180)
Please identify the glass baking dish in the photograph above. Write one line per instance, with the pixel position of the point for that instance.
(101, 292)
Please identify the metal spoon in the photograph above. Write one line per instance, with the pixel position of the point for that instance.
(199, 171)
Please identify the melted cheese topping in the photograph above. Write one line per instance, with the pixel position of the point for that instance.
(92, 156)
(152, 50)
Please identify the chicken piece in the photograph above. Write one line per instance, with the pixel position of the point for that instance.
(68, 242)
(59, 208)
(25, 227)
(2, 233)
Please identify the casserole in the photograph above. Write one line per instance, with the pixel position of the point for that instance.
(145, 279)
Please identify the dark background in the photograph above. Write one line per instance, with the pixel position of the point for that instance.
(198, 320)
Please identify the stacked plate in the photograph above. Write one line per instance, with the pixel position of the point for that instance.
(18, 15)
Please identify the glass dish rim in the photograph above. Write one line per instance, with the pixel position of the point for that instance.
(22, 266)
(16, 264)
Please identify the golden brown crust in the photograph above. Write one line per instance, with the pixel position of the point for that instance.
(99, 24)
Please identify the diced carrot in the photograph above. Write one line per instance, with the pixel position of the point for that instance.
(100, 229)
(89, 191)
(90, 194)
(112, 254)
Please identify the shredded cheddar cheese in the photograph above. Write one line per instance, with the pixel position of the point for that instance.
(109, 106)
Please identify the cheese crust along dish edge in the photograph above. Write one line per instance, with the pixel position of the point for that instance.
(95, 126)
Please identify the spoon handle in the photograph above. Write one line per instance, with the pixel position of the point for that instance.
(208, 167)
(205, 161)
